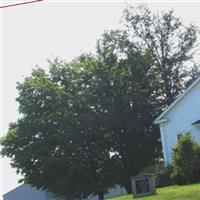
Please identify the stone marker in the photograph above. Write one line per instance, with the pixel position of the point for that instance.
(143, 185)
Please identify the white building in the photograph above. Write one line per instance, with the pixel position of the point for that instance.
(183, 115)
(26, 192)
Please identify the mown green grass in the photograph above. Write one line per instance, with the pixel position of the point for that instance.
(189, 192)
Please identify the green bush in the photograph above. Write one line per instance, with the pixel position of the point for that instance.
(162, 173)
(163, 176)
(186, 160)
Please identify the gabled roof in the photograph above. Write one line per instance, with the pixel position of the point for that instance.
(24, 190)
(15, 189)
(159, 119)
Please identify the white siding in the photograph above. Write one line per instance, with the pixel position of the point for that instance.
(180, 119)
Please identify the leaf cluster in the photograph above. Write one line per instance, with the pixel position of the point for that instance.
(186, 160)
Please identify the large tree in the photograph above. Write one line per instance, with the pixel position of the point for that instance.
(150, 56)
(59, 144)
(132, 106)
(84, 125)
(171, 44)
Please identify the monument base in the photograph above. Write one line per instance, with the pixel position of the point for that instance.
(143, 185)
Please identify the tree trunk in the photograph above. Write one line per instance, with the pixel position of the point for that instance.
(167, 88)
(128, 187)
(101, 195)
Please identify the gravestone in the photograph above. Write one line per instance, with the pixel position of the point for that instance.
(143, 185)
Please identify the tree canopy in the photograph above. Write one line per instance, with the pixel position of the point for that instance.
(153, 52)
(58, 143)
(171, 44)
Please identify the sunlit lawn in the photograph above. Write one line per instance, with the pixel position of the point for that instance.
(189, 192)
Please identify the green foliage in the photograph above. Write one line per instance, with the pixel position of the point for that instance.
(171, 44)
(147, 63)
(186, 160)
(59, 144)
(131, 106)
(162, 173)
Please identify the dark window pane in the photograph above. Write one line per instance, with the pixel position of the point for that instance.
(142, 186)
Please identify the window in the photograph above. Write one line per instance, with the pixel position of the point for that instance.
(180, 133)
(179, 136)
(142, 186)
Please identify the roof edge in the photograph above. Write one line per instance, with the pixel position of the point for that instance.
(14, 189)
(156, 121)
(161, 121)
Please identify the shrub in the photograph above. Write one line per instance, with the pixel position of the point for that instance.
(186, 160)
(163, 176)
(162, 173)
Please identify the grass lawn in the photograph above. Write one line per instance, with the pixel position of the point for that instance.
(189, 192)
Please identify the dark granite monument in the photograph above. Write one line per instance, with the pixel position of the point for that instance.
(143, 185)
